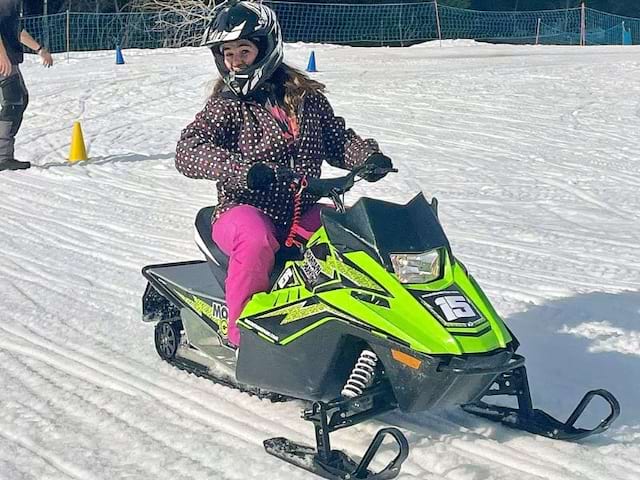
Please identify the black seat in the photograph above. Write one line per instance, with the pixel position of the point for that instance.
(205, 242)
(219, 261)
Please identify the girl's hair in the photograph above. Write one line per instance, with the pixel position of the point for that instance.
(294, 83)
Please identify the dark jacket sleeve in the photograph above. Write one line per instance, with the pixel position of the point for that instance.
(203, 150)
(4, 15)
(345, 149)
(8, 8)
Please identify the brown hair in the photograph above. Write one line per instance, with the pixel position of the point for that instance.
(295, 83)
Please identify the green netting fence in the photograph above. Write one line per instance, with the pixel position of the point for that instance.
(342, 23)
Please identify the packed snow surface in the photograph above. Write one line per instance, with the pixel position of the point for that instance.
(531, 151)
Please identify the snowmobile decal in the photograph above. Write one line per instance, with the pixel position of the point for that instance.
(338, 268)
(215, 311)
(324, 266)
(452, 308)
(286, 280)
(300, 311)
(285, 324)
(310, 267)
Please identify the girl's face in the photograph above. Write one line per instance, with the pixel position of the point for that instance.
(239, 54)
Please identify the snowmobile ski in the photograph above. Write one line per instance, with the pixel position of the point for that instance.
(533, 420)
(331, 416)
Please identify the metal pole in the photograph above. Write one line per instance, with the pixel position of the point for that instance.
(583, 27)
(400, 26)
(68, 35)
(438, 23)
(538, 31)
(45, 10)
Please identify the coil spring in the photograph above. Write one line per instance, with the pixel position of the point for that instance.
(361, 375)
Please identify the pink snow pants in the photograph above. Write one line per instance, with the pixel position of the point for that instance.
(249, 238)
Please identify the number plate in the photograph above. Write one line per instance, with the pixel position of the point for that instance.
(452, 308)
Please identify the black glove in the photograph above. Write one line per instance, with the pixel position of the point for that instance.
(378, 160)
(260, 176)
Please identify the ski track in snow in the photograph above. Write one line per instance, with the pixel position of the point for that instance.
(532, 153)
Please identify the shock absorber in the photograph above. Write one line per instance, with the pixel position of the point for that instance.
(361, 375)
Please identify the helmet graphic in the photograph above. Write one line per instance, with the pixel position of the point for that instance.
(236, 20)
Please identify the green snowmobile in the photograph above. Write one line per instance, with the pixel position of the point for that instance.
(373, 313)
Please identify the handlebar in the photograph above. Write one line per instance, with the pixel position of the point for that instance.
(334, 188)
(330, 187)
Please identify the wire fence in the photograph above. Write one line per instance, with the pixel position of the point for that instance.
(353, 24)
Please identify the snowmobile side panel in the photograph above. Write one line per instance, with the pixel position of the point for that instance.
(194, 277)
(316, 366)
(201, 293)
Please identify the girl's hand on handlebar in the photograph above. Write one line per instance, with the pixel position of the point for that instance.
(379, 165)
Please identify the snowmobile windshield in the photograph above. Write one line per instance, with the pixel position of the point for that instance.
(381, 228)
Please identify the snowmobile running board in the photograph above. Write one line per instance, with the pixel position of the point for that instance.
(331, 416)
(533, 420)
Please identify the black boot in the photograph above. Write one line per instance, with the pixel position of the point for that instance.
(14, 164)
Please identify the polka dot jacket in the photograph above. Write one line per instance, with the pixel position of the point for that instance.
(229, 135)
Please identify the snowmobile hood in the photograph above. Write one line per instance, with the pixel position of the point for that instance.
(381, 228)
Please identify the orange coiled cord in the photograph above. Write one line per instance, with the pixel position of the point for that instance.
(297, 212)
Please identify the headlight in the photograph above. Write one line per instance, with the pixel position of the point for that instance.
(416, 267)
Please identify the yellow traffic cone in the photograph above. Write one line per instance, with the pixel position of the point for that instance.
(78, 152)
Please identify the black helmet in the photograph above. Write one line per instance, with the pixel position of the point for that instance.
(235, 20)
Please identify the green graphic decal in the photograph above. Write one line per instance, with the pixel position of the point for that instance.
(297, 312)
(200, 306)
(332, 266)
(215, 311)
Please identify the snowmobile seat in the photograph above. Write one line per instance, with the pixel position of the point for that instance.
(218, 260)
(205, 242)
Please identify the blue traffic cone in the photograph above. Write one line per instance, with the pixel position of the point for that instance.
(119, 57)
(311, 67)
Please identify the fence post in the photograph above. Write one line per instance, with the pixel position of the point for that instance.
(538, 31)
(400, 26)
(68, 36)
(583, 26)
(438, 23)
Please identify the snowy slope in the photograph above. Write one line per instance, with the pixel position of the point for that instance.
(532, 152)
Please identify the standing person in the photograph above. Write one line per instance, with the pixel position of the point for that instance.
(264, 121)
(14, 96)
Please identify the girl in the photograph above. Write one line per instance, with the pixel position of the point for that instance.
(264, 122)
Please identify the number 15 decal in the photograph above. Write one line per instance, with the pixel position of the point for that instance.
(454, 307)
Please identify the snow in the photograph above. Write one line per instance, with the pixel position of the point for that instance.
(532, 152)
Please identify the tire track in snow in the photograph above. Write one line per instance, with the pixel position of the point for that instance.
(221, 420)
(77, 245)
(92, 413)
(70, 471)
(560, 454)
(90, 369)
(476, 446)
(256, 429)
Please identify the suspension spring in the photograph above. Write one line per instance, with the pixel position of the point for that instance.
(361, 375)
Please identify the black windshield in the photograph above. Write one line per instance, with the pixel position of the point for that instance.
(381, 228)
